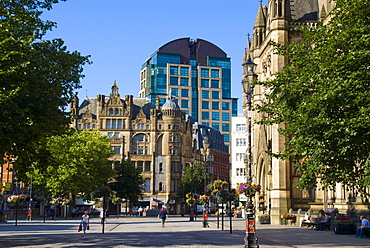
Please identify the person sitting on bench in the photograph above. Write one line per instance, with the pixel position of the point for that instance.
(365, 224)
(321, 224)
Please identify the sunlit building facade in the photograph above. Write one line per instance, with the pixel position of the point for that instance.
(199, 74)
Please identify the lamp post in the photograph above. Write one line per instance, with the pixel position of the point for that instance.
(206, 153)
(250, 239)
(192, 188)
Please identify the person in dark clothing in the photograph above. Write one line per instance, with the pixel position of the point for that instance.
(163, 215)
(320, 225)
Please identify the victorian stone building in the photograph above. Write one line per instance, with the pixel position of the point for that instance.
(161, 141)
(276, 22)
(157, 140)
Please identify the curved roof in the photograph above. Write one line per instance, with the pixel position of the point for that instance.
(189, 49)
(170, 103)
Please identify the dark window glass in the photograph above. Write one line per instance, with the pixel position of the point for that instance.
(215, 84)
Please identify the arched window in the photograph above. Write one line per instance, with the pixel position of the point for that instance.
(116, 111)
(111, 111)
(141, 144)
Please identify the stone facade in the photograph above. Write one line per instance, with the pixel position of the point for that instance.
(276, 22)
(161, 141)
(157, 140)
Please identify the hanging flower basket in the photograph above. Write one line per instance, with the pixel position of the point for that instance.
(16, 198)
(204, 199)
(192, 199)
(117, 200)
(249, 189)
(103, 191)
(191, 202)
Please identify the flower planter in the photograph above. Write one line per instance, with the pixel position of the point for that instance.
(344, 228)
(264, 220)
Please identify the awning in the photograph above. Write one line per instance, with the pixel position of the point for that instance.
(80, 201)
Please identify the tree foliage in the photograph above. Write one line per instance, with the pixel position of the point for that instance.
(323, 97)
(194, 180)
(78, 164)
(37, 79)
(128, 183)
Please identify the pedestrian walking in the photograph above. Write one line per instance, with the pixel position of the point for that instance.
(163, 215)
(85, 222)
(103, 216)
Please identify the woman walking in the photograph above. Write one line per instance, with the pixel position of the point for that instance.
(85, 222)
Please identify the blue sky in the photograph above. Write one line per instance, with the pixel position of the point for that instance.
(121, 34)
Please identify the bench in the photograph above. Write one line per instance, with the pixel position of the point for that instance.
(312, 222)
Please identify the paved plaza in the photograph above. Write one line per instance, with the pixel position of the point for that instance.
(179, 232)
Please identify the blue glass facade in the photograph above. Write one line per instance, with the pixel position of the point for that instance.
(199, 73)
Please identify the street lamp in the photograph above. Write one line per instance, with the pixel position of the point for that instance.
(250, 239)
(192, 188)
(206, 154)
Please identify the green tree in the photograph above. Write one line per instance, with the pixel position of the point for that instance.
(128, 182)
(37, 80)
(322, 96)
(194, 180)
(78, 164)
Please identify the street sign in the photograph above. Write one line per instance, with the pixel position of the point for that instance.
(6, 186)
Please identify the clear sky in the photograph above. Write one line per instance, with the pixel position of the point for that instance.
(121, 34)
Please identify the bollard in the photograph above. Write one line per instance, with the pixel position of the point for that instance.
(29, 215)
(205, 219)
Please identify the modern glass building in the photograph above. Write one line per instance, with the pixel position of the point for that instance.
(199, 74)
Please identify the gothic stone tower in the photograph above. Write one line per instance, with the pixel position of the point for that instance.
(276, 22)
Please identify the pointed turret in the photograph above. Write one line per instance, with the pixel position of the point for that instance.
(259, 26)
(322, 13)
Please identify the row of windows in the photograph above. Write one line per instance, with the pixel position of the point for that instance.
(215, 94)
(215, 115)
(215, 73)
(215, 105)
(241, 127)
(115, 135)
(113, 124)
(86, 126)
(161, 186)
(174, 70)
(175, 81)
(140, 126)
(115, 111)
(240, 156)
(175, 92)
(214, 83)
(241, 142)
(143, 166)
(240, 172)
